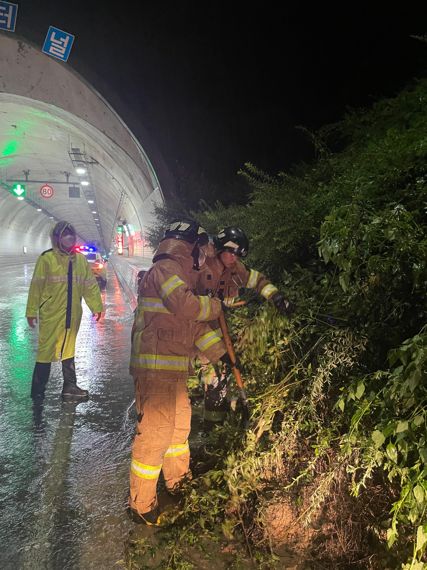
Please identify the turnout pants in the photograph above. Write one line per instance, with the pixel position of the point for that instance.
(161, 440)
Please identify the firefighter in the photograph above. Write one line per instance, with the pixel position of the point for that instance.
(222, 276)
(61, 278)
(170, 325)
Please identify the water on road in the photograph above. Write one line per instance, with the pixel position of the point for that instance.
(64, 466)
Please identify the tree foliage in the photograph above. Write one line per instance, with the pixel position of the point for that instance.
(339, 392)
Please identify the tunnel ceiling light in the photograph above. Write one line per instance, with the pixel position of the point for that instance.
(90, 201)
(84, 183)
(39, 209)
(81, 170)
(20, 197)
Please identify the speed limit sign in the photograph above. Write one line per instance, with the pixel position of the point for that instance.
(46, 191)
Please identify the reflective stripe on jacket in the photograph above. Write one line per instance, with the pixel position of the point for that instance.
(170, 322)
(50, 296)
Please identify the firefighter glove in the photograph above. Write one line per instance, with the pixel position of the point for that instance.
(226, 360)
(284, 306)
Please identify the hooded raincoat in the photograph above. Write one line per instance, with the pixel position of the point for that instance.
(59, 282)
(169, 326)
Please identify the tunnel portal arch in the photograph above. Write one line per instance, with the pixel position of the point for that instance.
(52, 121)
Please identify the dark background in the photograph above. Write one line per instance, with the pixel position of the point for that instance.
(217, 84)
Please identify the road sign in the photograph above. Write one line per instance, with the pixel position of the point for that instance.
(46, 191)
(58, 43)
(8, 13)
(19, 190)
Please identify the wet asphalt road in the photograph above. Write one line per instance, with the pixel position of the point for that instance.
(64, 467)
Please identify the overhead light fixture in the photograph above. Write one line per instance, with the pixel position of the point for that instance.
(81, 170)
(91, 201)
(84, 183)
(39, 209)
(93, 212)
(20, 197)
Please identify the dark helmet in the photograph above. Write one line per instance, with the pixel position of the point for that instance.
(187, 230)
(232, 239)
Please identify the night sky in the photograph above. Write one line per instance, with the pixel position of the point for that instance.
(218, 84)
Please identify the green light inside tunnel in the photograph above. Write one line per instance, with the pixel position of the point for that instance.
(10, 148)
(19, 348)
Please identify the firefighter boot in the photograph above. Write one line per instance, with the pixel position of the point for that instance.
(40, 378)
(70, 389)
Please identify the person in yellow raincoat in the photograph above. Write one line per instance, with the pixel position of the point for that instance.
(61, 278)
(170, 325)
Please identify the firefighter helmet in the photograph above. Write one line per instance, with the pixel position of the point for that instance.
(232, 239)
(187, 230)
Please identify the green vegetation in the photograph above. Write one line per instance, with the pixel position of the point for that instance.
(335, 460)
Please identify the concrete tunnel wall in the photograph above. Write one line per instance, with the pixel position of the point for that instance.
(27, 72)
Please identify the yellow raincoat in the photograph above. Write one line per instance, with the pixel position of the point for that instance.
(59, 282)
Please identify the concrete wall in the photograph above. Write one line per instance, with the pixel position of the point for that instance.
(21, 227)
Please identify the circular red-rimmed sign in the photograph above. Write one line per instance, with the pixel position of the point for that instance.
(46, 191)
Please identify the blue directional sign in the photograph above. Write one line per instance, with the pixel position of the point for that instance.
(8, 13)
(58, 43)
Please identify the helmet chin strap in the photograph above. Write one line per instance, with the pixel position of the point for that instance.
(195, 256)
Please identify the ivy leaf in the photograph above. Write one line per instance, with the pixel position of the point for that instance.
(418, 493)
(378, 438)
(391, 537)
(421, 537)
(391, 452)
(343, 281)
(418, 420)
(360, 390)
(402, 426)
(423, 454)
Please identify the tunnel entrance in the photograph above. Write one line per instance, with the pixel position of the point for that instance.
(66, 154)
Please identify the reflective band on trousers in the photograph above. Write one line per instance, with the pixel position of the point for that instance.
(205, 308)
(170, 285)
(153, 304)
(228, 301)
(207, 340)
(145, 471)
(253, 279)
(161, 362)
(268, 291)
(177, 449)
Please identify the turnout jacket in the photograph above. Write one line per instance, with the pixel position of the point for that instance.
(58, 284)
(217, 280)
(170, 322)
